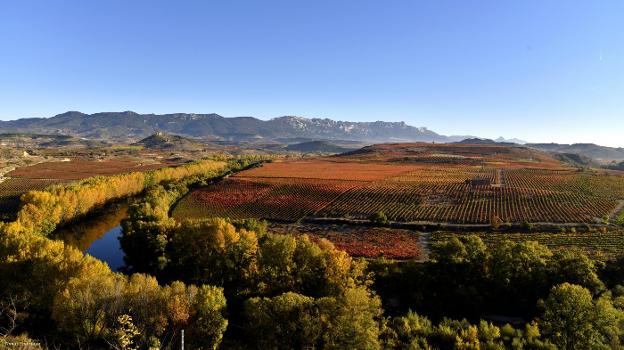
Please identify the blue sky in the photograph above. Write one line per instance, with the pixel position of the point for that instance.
(533, 69)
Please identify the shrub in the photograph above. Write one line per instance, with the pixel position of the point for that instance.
(379, 218)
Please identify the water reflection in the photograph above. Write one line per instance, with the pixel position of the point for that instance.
(98, 235)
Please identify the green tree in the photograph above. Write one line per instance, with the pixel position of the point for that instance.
(519, 275)
(208, 323)
(294, 321)
(460, 250)
(353, 320)
(379, 218)
(575, 267)
(573, 321)
(287, 321)
(408, 332)
(214, 252)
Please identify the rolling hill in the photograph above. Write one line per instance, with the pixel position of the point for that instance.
(317, 147)
(164, 141)
(590, 150)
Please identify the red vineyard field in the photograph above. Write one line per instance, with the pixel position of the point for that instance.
(431, 193)
(328, 170)
(268, 198)
(367, 242)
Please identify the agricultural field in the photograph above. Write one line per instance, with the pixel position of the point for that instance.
(41, 175)
(518, 195)
(362, 241)
(76, 169)
(597, 244)
(268, 198)
(417, 183)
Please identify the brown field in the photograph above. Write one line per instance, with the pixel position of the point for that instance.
(77, 169)
(456, 154)
(359, 241)
(416, 183)
(328, 170)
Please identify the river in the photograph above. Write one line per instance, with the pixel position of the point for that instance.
(98, 235)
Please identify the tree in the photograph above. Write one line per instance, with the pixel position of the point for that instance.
(287, 321)
(295, 321)
(379, 218)
(459, 250)
(208, 322)
(214, 252)
(573, 321)
(408, 332)
(353, 320)
(519, 274)
(87, 303)
(10, 315)
(574, 267)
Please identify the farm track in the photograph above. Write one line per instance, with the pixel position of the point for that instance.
(498, 178)
(425, 241)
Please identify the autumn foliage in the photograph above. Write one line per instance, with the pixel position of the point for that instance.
(42, 211)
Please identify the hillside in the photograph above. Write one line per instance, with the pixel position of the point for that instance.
(130, 125)
(24, 140)
(479, 141)
(317, 147)
(577, 160)
(616, 166)
(591, 150)
(162, 141)
(455, 153)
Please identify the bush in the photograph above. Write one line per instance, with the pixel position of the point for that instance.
(527, 226)
(379, 218)
(496, 222)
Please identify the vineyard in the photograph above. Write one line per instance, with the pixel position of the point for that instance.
(269, 198)
(359, 185)
(441, 195)
(367, 242)
(12, 189)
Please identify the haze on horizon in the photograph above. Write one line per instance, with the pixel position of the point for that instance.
(539, 71)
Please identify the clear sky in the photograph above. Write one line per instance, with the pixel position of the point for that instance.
(540, 70)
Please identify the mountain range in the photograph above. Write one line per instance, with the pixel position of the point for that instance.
(129, 127)
(133, 126)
